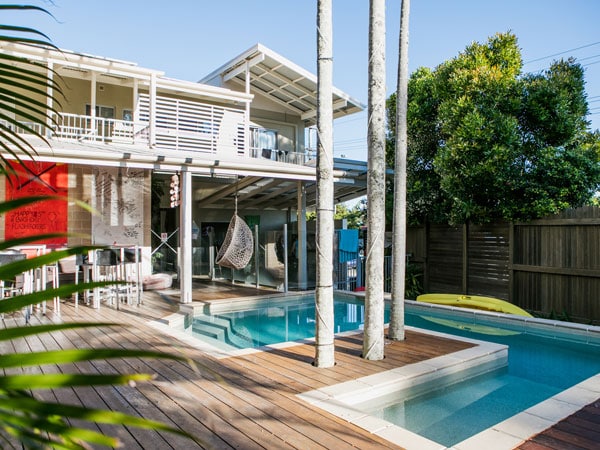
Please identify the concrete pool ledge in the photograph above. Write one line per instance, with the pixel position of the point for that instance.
(520, 427)
(346, 400)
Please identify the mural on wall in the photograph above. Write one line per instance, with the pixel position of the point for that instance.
(50, 216)
(118, 197)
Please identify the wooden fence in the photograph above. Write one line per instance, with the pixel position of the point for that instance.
(550, 266)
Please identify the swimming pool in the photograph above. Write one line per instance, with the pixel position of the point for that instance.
(544, 358)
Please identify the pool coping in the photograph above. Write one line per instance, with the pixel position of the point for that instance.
(341, 399)
(506, 434)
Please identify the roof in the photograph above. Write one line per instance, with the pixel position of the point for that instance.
(282, 81)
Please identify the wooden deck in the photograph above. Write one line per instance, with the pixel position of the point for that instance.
(578, 431)
(244, 402)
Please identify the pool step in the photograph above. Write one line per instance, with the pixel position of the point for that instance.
(220, 329)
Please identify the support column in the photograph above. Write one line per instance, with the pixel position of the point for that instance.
(185, 236)
(302, 242)
(247, 115)
(93, 99)
(152, 107)
(49, 100)
(135, 108)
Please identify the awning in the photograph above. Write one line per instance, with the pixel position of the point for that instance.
(282, 81)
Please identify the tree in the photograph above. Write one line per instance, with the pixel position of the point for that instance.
(373, 344)
(487, 142)
(355, 216)
(32, 422)
(324, 337)
(396, 327)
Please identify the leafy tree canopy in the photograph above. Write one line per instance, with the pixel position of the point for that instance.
(356, 215)
(487, 142)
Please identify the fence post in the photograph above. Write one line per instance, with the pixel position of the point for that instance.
(426, 264)
(511, 261)
(465, 258)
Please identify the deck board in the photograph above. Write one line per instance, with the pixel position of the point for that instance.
(246, 401)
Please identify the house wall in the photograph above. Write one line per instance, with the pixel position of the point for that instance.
(290, 128)
(78, 94)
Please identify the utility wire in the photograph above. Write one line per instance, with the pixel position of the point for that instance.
(562, 53)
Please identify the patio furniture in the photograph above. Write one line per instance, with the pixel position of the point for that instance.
(238, 246)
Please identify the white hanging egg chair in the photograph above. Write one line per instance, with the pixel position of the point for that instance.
(238, 247)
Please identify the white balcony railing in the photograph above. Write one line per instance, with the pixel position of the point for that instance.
(224, 134)
(99, 129)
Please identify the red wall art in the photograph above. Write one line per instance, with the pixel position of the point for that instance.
(49, 216)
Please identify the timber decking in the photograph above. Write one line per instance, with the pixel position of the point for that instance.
(578, 431)
(242, 402)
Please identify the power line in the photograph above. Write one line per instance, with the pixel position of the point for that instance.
(561, 53)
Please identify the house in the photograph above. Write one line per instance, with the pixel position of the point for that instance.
(166, 162)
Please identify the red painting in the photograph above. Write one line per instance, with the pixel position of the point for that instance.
(49, 216)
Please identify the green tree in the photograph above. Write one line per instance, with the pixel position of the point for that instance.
(23, 418)
(487, 142)
(356, 216)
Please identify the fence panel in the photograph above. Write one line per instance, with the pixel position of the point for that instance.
(555, 266)
(444, 259)
(488, 256)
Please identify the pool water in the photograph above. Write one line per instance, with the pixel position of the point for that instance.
(274, 321)
(539, 366)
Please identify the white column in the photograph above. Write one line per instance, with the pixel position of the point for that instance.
(93, 98)
(301, 250)
(135, 108)
(49, 100)
(185, 236)
(152, 107)
(247, 116)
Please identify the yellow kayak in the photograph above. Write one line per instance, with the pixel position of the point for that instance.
(474, 302)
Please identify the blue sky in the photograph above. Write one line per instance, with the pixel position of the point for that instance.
(189, 38)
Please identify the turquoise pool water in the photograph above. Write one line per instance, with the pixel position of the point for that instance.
(540, 364)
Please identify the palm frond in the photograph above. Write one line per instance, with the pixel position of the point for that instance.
(30, 92)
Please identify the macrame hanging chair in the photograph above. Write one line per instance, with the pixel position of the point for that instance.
(238, 246)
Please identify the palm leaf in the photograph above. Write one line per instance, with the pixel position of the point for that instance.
(21, 332)
(10, 205)
(24, 93)
(75, 355)
(58, 380)
(24, 300)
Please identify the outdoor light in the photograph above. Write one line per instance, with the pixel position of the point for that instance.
(174, 190)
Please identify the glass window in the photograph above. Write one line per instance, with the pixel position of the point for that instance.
(264, 138)
(106, 112)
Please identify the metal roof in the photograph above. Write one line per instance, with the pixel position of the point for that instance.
(282, 81)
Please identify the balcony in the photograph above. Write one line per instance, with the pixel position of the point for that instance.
(211, 137)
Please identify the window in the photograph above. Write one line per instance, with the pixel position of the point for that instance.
(106, 112)
(264, 138)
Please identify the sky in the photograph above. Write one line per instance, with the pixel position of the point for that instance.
(188, 39)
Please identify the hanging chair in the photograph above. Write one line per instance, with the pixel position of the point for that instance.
(238, 246)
